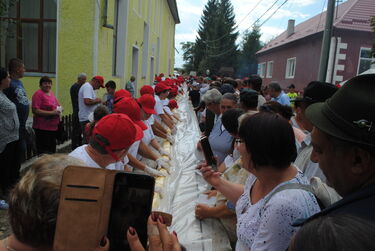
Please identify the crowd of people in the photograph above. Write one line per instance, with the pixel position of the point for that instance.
(294, 172)
(287, 163)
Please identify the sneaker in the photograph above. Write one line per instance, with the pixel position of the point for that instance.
(4, 205)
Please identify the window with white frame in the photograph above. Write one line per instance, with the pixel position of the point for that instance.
(262, 69)
(269, 69)
(365, 59)
(290, 67)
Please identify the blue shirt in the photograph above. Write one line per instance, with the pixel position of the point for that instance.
(17, 94)
(220, 141)
(282, 99)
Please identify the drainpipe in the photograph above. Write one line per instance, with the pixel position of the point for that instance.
(105, 16)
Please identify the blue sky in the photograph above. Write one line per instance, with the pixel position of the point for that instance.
(190, 12)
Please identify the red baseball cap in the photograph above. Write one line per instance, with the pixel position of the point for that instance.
(172, 104)
(174, 91)
(119, 130)
(130, 107)
(121, 94)
(147, 102)
(100, 79)
(160, 87)
(146, 89)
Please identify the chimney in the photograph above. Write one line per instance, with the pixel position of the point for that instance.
(290, 29)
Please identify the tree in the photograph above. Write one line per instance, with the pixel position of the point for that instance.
(215, 45)
(250, 45)
(188, 55)
(5, 31)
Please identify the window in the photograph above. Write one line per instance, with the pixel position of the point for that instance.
(290, 67)
(31, 26)
(261, 69)
(365, 59)
(269, 69)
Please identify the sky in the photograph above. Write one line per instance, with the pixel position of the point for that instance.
(246, 12)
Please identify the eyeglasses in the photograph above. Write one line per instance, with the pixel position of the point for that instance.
(238, 141)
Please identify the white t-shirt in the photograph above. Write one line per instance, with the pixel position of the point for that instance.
(86, 91)
(133, 150)
(158, 108)
(81, 153)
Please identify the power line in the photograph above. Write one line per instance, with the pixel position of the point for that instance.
(210, 41)
(320, 17)
(274, 12)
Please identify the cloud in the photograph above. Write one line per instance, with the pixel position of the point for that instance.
(184, 37)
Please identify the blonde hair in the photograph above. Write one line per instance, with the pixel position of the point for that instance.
(33, 202)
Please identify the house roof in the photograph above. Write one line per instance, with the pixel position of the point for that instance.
(351, 15)
(173, 7)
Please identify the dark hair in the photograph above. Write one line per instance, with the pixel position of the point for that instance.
(230, 119)
(255, 81)
(335, 233)
(111, 84)
(99, 113)
(269, 138)
(14, 63)
(44, 79)
(249, 98)
(272, 106)
(292, 86)
(94, 143)
(3, 73)
(275, 86)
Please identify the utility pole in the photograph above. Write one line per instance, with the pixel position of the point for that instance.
(326, 43)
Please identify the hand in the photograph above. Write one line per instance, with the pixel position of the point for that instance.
(174, 131)
(158, 236)
(170, 139)
(211, 193)
(163, 164)
(56, 112)
(104, 245)
(153, 172)
(212, 177)
(98, 100)
(164, 152)
(202, 211)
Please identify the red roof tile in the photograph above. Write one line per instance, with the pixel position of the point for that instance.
(352, 15)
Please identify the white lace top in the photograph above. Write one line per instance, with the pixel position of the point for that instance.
(268, 227)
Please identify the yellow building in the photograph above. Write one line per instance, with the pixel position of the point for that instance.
(113, 38)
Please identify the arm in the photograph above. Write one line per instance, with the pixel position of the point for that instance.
(154, 143)
(166, 120)
(203, 211)
(44, 113)
(90, 102)
(146, 152)
(230, 190)
(159, 127)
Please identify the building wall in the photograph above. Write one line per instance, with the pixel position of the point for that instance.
(307, 53)
(84, 45)
(355, 40)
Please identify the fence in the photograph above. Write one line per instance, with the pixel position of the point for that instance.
(30, 142)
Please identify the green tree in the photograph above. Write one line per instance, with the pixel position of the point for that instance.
(188, 55)
(215, 45)
(250, 45)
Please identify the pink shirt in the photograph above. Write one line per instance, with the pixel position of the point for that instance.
(45, 102)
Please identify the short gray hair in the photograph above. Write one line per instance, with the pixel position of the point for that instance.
(82, 74)
(212, 96)
(230, 96)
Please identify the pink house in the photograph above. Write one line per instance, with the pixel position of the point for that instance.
(293, 56)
